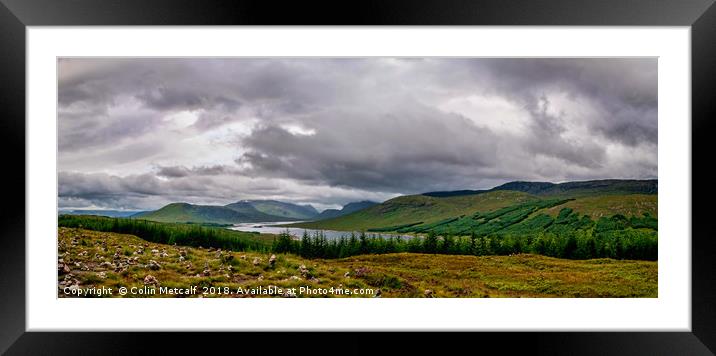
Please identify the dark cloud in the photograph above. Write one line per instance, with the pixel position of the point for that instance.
(142, 132)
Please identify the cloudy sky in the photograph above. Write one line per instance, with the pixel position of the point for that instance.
(140, 133)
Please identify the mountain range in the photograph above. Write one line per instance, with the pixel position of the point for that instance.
(591, 197)
(246, 211)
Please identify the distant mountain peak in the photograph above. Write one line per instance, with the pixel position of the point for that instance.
(629, 186)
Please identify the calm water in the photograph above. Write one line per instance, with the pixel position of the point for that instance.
(273, 228)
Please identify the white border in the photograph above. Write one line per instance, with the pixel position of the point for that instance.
(670, 311)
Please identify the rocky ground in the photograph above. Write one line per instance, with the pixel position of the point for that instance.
(89, 261)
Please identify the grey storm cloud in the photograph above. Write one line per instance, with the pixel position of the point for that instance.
(141, 132)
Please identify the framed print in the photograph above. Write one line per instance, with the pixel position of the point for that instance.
(491, 167)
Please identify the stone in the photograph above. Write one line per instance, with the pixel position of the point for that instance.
(304, 271)
(272, 261)
(151, 280)
(377, 294)
(256, 261)
(153, 265)
(428, 293)
(102, 275)
(347, 274)
(63, 268)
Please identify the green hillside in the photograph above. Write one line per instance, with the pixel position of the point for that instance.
(281, 209)
(419, 208)
(529, 208)
(183, 212)
(347, 209)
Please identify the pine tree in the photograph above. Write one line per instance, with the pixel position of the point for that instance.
(430, 244)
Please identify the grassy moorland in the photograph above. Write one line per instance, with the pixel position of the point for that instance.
(103, 259)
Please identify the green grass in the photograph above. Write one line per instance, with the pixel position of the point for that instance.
(396, 275)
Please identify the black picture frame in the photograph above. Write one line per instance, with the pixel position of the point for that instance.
(16, 15)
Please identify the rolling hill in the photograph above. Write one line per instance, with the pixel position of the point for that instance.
(234, 213)
(512, 207)
(287, 210)
(184, 212)
(418, 208)
(581, 188)
(347, 209)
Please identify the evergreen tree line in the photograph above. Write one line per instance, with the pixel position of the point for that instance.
(637, 244)
(596, 241)
(169, 233)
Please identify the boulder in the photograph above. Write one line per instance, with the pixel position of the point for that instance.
(153, 265)
(63, 268)
(151, 280)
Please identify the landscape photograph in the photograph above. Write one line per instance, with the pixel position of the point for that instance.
(375, 177)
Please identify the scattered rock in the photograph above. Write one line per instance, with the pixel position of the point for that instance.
(153, 265)
(106, 264)
(261, 277)
(347, 274)
(182, 252)
(151, 280)
(272, 261)
(102, 275)
(314, 280)
(206, 273)
(62, 268)
(304, 271)
(155, 251)
(295, 278)
(428, 293)
(243, 257)
(181, 258)
(361, 271)
(256, 261)
(377, 294)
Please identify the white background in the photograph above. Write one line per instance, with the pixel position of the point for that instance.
(670, 311)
